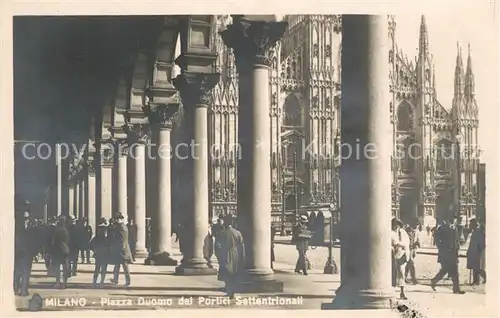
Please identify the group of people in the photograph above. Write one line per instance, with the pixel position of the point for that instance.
(62, 240)
(35, 240)
(449, 238)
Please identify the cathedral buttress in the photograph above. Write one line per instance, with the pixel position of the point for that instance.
(424, 131)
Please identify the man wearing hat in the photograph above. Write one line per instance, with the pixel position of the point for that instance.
(100, 246)
(301, 238)
(448, 243)
(121, 250)
(25, 249)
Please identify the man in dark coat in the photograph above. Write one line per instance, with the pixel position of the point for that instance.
(26, 247)
(230, 249)
(476, 252)
(60, 251)
(448, 244)
(121, 250)
(301, 237)
(101, 248)
(74, 244)
(86, 236)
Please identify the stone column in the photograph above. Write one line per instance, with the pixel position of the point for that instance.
(194, 89)
(121, 182)
(138, 135)
(253, 40)
(91, 194)
(76, 196)
(83, 185)
(366, 177)
(160, 117)
(71, 197)
(106, 180)
(59, 182)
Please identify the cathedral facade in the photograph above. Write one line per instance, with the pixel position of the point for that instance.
(435, 147)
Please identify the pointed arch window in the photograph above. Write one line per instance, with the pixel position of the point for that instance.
(444, 155)
(405, 118)
(292, 112)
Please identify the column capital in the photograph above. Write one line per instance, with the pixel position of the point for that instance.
(137, 133)
(90, 166)
(253, 41)
(195, 87)
(161, 115)
(107, 150)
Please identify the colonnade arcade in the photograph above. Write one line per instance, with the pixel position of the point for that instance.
(165, 84)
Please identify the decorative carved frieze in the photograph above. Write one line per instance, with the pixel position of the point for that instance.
(195, 88)
(253, 42)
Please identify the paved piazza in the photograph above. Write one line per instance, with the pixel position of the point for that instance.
(155, 287)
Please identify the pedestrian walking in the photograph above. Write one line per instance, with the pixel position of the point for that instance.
(61, 251)
(232, 258)
(448, 244)
(120, 250)
(400, 251)
(476, 252)
(301, 238)
(25, 249)
(414, 237)
(100, 247)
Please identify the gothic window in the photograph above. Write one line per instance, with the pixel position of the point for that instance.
(444, 155)
(427, 75)
(292, 112)
(328, 51)
(407, 152)
(391, 54)
(405, 120)
(315, 49)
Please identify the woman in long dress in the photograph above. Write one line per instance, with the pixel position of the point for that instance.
(400, 248)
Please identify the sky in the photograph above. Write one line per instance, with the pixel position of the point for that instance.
(446, 26)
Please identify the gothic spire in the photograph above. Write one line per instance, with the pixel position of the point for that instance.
(459, 73)
(469, 90)
(469, 79)
(423, 43)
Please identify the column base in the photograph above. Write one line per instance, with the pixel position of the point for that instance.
(141, 253)
(160, 259)
(260, 281)
(331, 267)
(352, 298)
(195, 267)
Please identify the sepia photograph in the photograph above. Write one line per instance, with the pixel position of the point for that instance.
(265, 162)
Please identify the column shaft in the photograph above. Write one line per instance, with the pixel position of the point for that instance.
(59, 180)
(140, 197)
(121, 186)
(71, 199)
(366, 177)
(194, 88)
(163, 222)
(106, 191)
(91, 200)
(83, 185)
(76, 199)
(253, 42)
